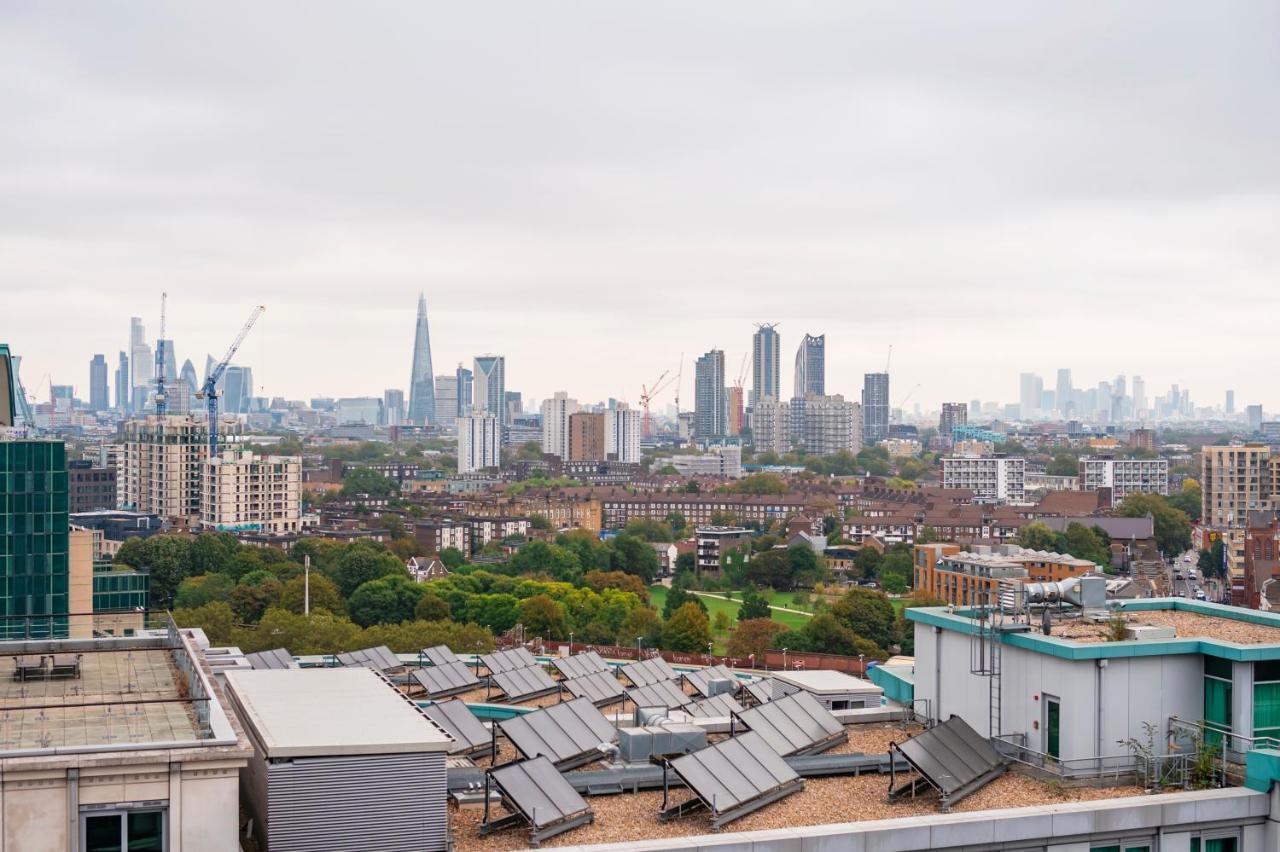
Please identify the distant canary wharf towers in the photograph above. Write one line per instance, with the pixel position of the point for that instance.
(811, 366)
(422, 389)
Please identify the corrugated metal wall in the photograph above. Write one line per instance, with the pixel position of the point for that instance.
(393, 802)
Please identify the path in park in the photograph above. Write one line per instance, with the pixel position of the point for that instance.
(771, 606)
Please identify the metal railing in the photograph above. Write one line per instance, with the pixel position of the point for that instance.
(1100, 768)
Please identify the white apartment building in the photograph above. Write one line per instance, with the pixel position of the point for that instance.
(1125, 476)
(996, 478)
(723, 461)
(555, 423)
(161, 466)
(831, 425)
(621, 435)
(771, 426)
(479, 441)
(1235, 481)
(243, 491)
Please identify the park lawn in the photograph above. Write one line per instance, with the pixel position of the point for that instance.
(791, 620)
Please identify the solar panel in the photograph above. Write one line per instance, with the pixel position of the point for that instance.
(663, 693)
(701, 679)
(795, 724)
(379, 659)
(506, 661)
(580, 665)
(570, 734)
(440, 655)
(447, 679)
(952, 758)
(733, 778)
(540, 796)
(469, 733)
(767, 689)
(277, 658)
(648, 672)
(714, 707)
(518, 684)
(600, 687)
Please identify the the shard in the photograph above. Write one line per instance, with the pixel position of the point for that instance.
(422, 389)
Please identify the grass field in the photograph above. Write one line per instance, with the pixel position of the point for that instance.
(792, 620)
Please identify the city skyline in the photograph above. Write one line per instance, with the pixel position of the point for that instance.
(880, 195)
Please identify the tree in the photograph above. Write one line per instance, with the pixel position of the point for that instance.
(649, 530)
(542, 616)
(540, 522)
(166, 557)
(722, 622)
(634, 556)
(692, 487)
(771, 569)
(753, 638)
(685, 562)
(362, 563)
(641, 621)
(754, 606)
(324, 594)
(688, 629)
(322, 633)
(530, 451)
(598, 581)
(894, 571)
(197, 591)
(677, 523)
(869, 614)
(1063, 464)
(390, 599)
(1037, 536)
(363, 480)
(1188, 500)
(210, 552)
(804, 566)
(760, 483)
(393, 524)
(254, 593)
(216, 619)
(868, 562)
(826, 634)
(1210, 560)
(540, 557)
(678, 596)
(1172, 526)
(1084, 543)
(432, 607)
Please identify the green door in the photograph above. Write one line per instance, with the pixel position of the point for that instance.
(1052, 720)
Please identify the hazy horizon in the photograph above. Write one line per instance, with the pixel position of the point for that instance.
(591, 191)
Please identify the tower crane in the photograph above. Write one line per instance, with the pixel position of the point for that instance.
(209, 393)
(647, 394)
(162, 406)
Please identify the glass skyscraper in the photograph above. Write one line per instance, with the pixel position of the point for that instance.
(811, 366)
(875, 407)
(709, 397)
(489, 386)
(422, 388)
(765, 362)
(34, 540)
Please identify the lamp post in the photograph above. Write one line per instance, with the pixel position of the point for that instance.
(638, 638)
(708, 653)
(571, 643)
(306, 585)
(862, 667)
(784, 659)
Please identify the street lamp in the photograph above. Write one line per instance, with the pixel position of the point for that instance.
(708, 653)
(784, 659)
(570, 641)
(862, 668)
(638, 638)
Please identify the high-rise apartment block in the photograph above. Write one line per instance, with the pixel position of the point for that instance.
(161, 469)
(875, 407)
(479, 441)
(771, 426)
(735, 415)
(466, 389)
(953, 414)
(765, 361)
(1234, 481)
(241, 491)
(586, 436)
(34, 539)
(99, 394)
(811, 367)
(1030, 395)
(992, 478)
(90, 488)
(422, 392)
(556, 412)
(832, 425)
(1124, 476)
(622, 435)
(489, 392)
(708, 397)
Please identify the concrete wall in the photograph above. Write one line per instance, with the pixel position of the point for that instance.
(1134, 690)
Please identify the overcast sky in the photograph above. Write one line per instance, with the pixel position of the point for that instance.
(594, 188)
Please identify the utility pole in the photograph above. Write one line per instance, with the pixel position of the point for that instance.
(306, 585)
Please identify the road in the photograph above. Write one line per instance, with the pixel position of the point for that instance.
(1185, 579)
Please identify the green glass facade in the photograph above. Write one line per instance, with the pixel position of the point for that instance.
(121, 591)
(1217, 699)
(34, 532)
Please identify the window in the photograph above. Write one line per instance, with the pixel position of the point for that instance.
(123, 830)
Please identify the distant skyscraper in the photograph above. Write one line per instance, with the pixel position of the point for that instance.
(515, 405)
(490, 387)
(709, 396)
(188, 384)
(953, 414)
(142, 365)
(122, 384)
(811, 366)
(393, 406)
(556, 412)
(235, 385)
(765, 360)
(446, 400)
(422, 389)
(1230, 407)
(466, 384)
(622, 435)
(1030, 391)
(1139, 398)
(875, 407)
(99, 395)
(1064, 393)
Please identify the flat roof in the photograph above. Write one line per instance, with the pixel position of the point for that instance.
(318, 712)
(826, 681)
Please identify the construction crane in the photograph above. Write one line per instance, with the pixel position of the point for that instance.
(647, 394)
(162, 406)
(742, 372)
(209, 393)
(888, 358)
(907, 398)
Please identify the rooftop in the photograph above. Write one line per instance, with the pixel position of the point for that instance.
(822, 681)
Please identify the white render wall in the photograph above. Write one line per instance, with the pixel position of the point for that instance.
(1134, 690)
